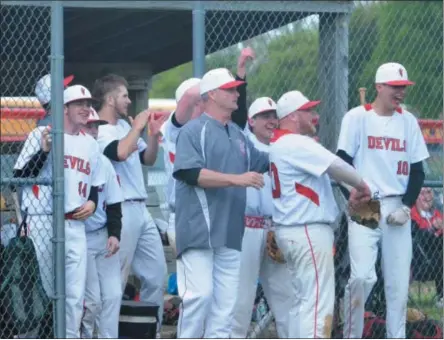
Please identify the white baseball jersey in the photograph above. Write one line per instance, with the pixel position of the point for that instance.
(382, 147)
(301, 188)
(129, 171)
(259, 202)
(169, 137)
(82, 170)
(110, 192)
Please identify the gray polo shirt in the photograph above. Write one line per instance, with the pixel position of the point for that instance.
(213, 218)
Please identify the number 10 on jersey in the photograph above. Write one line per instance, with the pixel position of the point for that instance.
(403, 168)
(275, 184)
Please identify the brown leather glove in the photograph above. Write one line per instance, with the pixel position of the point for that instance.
(368, 214)
(272, 248)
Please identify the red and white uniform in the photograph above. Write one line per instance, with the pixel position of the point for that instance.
(140, 246)
(103, 293)
(257, 265)
(169, 136)
(382, 147)
(82, 170)
(304, 209)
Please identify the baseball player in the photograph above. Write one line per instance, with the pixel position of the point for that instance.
(103, 293)
(304, 211)
(214, 164)
(43, 93)
(141, 247)
(385, 144)
(189, 106)
(81, 181)
(255, 263)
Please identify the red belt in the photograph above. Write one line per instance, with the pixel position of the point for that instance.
(257, 222)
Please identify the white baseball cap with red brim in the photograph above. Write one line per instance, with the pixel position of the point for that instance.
(185, 86)
(263, 104)
(94, 118)
(43, 88)
(75, 93)
(392, 74)
(294, 101)
(219, 78)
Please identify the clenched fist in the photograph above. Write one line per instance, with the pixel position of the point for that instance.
(250, 179)
(247, 55)
(46, 140)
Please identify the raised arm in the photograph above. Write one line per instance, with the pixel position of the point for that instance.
(186, 105)
(34, 153)
(240, 116)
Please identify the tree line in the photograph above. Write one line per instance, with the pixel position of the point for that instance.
(408, 32)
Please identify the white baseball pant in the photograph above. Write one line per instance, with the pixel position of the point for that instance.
(103, 294)
(207, 281)
(141, 250)
(308, 251)
(275, 280)
(41, 232)
(396, 259)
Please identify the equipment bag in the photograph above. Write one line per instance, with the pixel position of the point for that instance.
(24, 299)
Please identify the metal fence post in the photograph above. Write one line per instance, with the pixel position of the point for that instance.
(198, 39)
(333, 75)
(57, 60)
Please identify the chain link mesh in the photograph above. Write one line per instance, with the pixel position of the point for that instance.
(26, 249)
(289, 57)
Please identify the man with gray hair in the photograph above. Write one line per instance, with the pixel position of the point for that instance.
(190, 106)
(215, 163)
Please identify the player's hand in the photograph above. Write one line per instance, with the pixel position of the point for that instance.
(155, 122)
(399, 217)
(250, 179)
(140, 121)
(84, 211)
(46, 140)
(247, 54)
(194, 92)
(359, 195)
(437, 223)
(113, 245)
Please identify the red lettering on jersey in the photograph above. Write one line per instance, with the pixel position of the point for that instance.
(386, 143)
(35, 190)
(379, 143)
(276, 184)
(307, 192)
(172, 157)
(73, 162)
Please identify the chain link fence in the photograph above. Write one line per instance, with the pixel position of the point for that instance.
(295, 51)
(26, 274)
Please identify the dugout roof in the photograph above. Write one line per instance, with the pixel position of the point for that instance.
(157, 32)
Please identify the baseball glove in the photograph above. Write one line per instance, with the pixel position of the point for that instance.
(272, 248)
(368, 214)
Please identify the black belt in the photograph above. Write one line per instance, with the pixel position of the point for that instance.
(135, 200)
